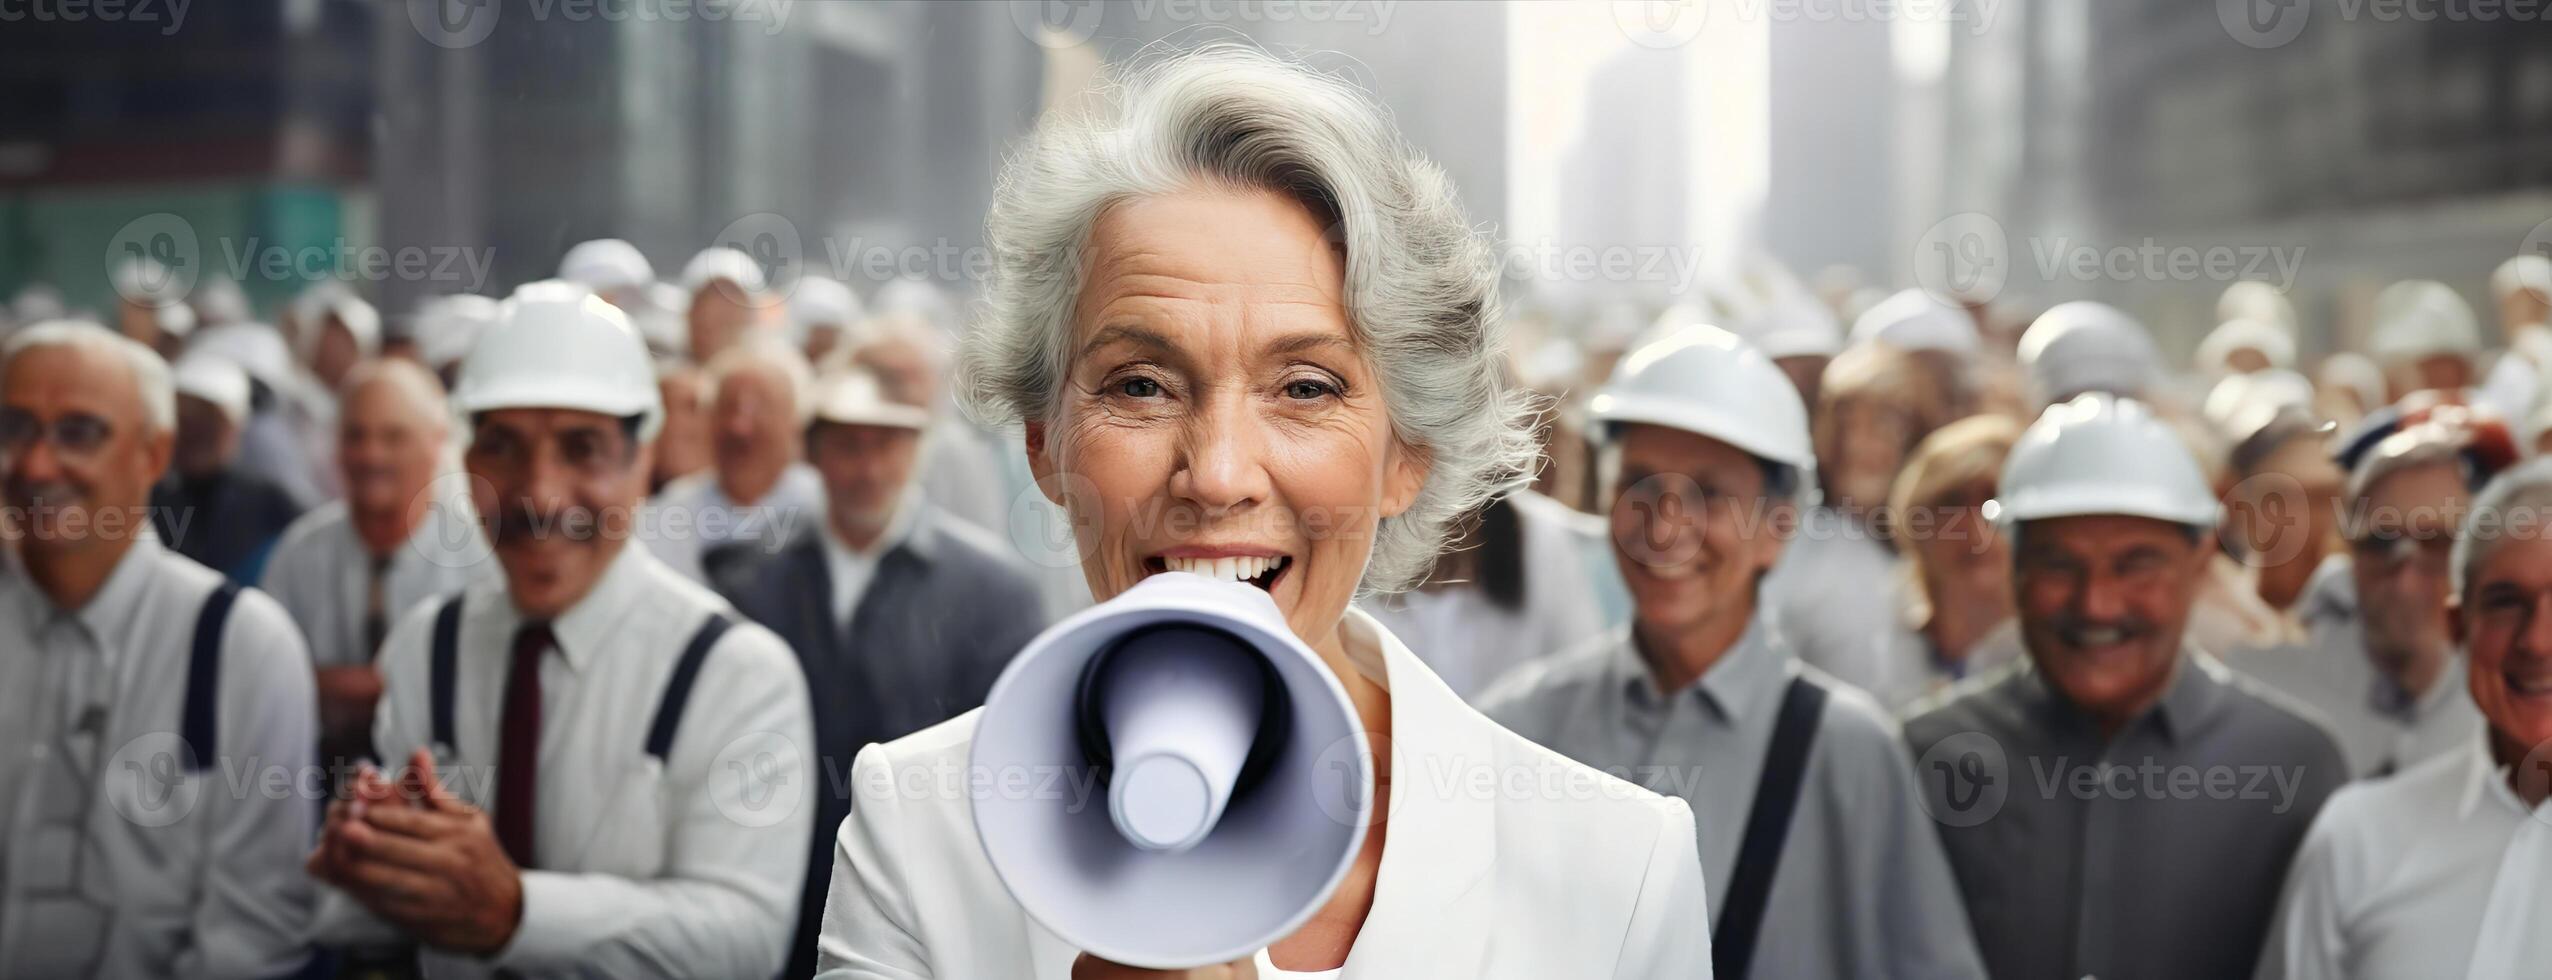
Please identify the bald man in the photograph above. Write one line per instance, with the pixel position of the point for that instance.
(399, 537)
(155, 720)
(757, 490)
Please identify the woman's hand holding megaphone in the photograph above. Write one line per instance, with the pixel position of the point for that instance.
(1089, 967)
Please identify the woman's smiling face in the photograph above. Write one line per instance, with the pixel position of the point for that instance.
(1215, 414)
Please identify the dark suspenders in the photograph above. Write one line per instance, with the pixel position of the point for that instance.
(202, 719)
(1785, 770)
(447, 649)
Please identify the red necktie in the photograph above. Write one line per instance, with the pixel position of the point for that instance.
(518, 760)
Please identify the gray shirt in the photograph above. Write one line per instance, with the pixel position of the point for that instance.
(2156, 853)
(1863, 889)
(1834, 591)
(2381, 728)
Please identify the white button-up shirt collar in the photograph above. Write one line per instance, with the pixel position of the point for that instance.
(852, 569)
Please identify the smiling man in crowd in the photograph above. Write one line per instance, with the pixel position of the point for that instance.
(2119, 805)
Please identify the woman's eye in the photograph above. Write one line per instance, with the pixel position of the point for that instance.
(1308, 389)
(1139, 388)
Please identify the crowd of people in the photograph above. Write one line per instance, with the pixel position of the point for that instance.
(544, 635)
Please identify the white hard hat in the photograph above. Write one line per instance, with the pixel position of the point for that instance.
(2081, 347)
(1796, 326)
(2251, 299)
(2101, 454)
(174, 319)
(447, 326)
(361, 321)
(853, 397)
(2528, 273)
(605, 265)
(214, 379)
(818, 301)
(257, 348)
(2421, 318)
(1709, 382)
(2215, 353)
(1912, 320)
(918, 297)
(2359, 375)
(2241, 403)
(220, 301)
(721, 262)
(557, 345)
(144, 281)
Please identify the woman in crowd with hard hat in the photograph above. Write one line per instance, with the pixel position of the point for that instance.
(1250, 335)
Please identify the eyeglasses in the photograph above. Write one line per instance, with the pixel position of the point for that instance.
(2390, 550)
(76, 436)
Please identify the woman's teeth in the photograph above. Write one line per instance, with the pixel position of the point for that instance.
(1226, 569)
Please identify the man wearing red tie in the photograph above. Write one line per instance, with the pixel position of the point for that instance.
(600, 763)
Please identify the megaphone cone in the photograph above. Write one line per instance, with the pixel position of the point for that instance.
(1210, 733)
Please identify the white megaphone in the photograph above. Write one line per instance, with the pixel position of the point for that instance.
(1229, 775)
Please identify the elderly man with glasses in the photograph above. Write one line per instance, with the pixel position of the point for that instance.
(136, 689)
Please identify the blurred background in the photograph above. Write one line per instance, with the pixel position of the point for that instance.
(1631, 154)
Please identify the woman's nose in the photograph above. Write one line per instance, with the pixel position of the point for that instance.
(1223, 464)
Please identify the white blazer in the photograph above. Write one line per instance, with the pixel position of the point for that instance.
(1503, 859)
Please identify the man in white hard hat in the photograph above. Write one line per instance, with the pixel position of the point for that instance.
(150, 305)
(900, 615)
(346, 570)
(730, 298)
(2379, 662)
(2438, 871)
(2082, 347)
(349, 333)
(2426, 337)
(1941, 340)
(210, 508)
(1813, 841)
(2119, 804)
(2245, 346)
(962, 468)
(603, 768)
(821, 312)
(155, 721)
(614, 269)
(1801, 336)
(757, 491)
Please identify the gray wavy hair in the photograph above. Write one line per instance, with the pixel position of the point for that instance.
(1421, 285)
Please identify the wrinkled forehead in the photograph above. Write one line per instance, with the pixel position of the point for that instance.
(541, 423)
(2100, 536)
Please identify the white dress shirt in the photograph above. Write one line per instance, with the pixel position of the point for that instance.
(851, 569)
(1588, 878)
(198, 874)
(688, 866)
(2439, 872)
(691, 516)
(322, 573)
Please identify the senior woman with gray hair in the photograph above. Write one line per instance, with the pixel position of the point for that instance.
(1247, 330)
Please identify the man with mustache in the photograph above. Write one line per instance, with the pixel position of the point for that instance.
(2440, 871)
(1819, 861)
(2119, 804)
(604, 773)
(348, 569)
(135, 687)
